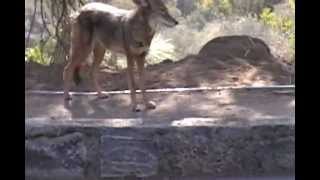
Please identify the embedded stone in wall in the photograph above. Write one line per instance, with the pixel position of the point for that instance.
(123, 155)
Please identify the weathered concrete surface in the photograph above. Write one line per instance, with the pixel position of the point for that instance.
(64, 148)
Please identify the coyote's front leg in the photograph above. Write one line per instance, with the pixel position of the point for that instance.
(141, 71)
(131, 83)
(98, 53)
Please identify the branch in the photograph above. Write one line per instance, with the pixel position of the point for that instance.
(43, 19)
(32, 21)
(53, 12)
(59, 21)
(81, 2)
(71, 4)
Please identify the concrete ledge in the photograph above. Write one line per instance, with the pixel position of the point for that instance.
(92, 149)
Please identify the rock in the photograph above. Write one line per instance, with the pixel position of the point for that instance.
(126, 154)
(244, 47)
(62, 157)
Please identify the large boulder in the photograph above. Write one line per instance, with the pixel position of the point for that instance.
(237, 46)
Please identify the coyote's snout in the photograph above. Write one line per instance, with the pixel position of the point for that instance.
(99, 26)
(161, 16)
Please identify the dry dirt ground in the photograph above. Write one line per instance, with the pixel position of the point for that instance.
(226, 107)
(224, 61)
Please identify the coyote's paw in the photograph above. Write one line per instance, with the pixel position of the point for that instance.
(136, 108)
(67, 97)
(150, 105)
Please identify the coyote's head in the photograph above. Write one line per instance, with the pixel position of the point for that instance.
(159, 14)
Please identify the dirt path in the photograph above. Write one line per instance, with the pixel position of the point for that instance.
(196, 108)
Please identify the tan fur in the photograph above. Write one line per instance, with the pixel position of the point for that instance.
(97, 27)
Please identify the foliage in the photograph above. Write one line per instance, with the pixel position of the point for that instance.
(225, 7)
(292, 4)
(284, 24)
(160, 49)
(205, 4)
(42, 52)
(35, 54)
(53, 17)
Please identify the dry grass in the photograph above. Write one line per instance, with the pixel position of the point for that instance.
(189, 40)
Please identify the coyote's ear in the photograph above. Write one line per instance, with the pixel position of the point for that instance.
(141, 3)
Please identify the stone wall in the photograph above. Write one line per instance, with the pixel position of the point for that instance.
(65, 151)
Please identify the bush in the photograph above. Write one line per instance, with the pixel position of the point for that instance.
(225, 7)
(41, 52)
(35, 54)
(161, 48)
(284, 24)
(205, 4)
(292, 4)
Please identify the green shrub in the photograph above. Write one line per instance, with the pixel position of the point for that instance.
(292, 4)
(268, 17)
(284, 24)
(205, 4)
(35, 54)
(225, 7)
(42, 52)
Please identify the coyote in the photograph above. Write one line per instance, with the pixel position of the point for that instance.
(98, 26)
